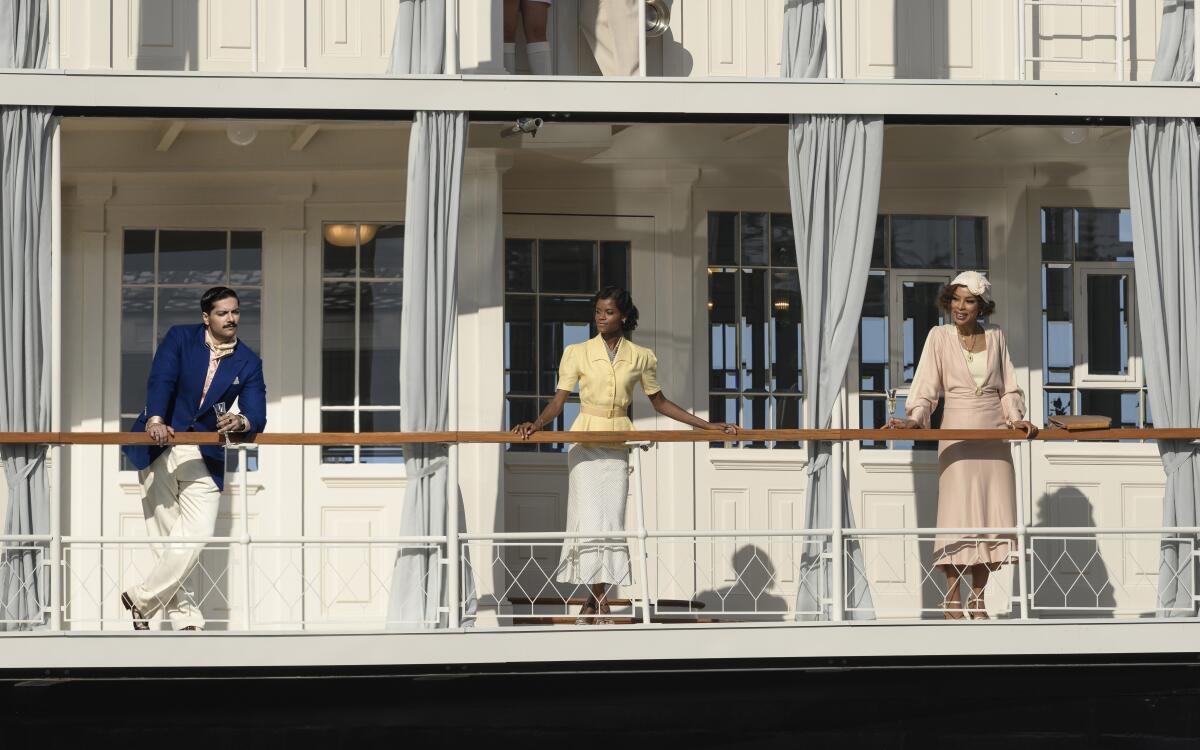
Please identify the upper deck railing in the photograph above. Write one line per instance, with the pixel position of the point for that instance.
(255, 582)
(1043, 40)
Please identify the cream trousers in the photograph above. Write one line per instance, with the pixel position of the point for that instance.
(180, 500)
(611, 30)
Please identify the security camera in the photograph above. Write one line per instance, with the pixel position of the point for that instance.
(522, 126)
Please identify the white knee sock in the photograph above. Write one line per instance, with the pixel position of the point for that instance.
(539, 58)
(510, 57)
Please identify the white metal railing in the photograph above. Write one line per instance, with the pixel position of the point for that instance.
(248, 582)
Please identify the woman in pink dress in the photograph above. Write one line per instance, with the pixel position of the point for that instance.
(967, 363)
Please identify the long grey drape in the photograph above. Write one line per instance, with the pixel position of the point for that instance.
(834, 166)
(25, 235)
(436, 149)
(1164, 187)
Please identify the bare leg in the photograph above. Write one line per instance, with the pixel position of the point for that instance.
(534, 16)
(952, 600)
(511, 7)
(975, 605)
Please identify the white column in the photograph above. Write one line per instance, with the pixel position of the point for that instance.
(481, 37)
(56, 349)
(480, 325)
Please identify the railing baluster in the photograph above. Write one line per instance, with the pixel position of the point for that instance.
(244, 509)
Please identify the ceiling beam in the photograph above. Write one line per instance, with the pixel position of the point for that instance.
(302, 136)
(169, 134)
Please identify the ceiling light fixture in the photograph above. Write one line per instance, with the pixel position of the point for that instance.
(1074, 136)
(241, 133)
(345, 235)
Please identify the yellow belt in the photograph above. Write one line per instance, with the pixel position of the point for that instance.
(599, 411)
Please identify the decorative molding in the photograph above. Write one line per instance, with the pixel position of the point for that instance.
(536, 463)
(899, 465)
(1092, 458)
(743, 459)
(351, 482)
(134, 489)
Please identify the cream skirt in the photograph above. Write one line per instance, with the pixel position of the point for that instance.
(596, 502)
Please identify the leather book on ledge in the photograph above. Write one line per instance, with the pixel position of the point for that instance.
(1071, 423)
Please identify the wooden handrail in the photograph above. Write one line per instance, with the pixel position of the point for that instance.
(657, 436)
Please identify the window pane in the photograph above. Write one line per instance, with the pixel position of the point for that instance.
(1119, 406)
(519, 346)
(245, 259)
(516, 411)
(873, 336)
(921, 315)
(337, 421)
(922, 242)
(564, 321)
(383, 256)
(1058, 341)
(970, 239)
(723, 409)
(137, 347)
(783, 241)
(379, 344)
(231, 461)
(338, 261)
(614, 264)
(1104, 234)
(1057, 225)
(722, 338)
(568, 266)
(787, 417)
(754, 331)
(754, 239)
(879, 249)
(754, 417)
(191, 257)
(873, 416)
(250, 326)
(562, 423)
(518, 265)
(177, 307)
(722, 238)
(138, 260)
(1108, 324)
(1058, 403)
(786, 339)
(380, 421)
(337, 344)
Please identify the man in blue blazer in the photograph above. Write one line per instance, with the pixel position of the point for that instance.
(197, 374)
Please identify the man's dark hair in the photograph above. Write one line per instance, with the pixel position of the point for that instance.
(215, 295)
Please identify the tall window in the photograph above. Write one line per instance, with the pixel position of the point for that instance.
(163, 274)
(1089, 341)
(754, 311)
(913, 258)
(548, 306)
(360, 337)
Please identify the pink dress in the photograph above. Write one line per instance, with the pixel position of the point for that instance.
(976, 484)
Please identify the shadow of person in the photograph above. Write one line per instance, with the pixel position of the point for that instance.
(1068, 575)
(750, 597)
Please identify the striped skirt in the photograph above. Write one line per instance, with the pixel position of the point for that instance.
(599, 485)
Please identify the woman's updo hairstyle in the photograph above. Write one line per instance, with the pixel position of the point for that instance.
(624, 302)
(986, 306)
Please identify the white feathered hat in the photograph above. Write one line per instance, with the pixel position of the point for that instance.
(976, 283)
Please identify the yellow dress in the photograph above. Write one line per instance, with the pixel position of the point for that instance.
(599, 474)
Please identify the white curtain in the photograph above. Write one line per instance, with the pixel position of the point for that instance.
(834, 166)
(1164, 187)
(26, 134)
(436, 148)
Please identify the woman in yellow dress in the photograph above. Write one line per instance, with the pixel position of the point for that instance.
(606, 369)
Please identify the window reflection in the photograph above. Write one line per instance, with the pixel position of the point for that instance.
(920, 315)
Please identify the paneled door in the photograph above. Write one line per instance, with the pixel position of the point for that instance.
(553, 266)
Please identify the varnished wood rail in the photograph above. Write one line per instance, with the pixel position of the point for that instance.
(657, 436)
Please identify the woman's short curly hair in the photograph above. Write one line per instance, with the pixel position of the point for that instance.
(986, 307)
(623, 301)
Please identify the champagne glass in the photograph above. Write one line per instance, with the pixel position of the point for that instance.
(219, 408)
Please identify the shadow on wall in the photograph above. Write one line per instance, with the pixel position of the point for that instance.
(921, 43)
(1068, 575)
(750, 595)
(167, 35)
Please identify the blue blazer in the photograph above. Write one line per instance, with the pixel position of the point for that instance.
(174, 387)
